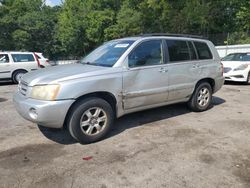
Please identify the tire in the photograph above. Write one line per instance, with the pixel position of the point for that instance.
(96, 116)
(202, 97)
(18, 75)
(248, 79)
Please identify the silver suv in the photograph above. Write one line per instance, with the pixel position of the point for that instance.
(119, 77)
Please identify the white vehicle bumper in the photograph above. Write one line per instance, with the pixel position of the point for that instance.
(236, 76)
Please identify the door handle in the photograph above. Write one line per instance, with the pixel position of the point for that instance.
(196, 66)
(163, 70)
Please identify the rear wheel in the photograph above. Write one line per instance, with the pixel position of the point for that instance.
(16, 77)
(90, 120)
(201, 98)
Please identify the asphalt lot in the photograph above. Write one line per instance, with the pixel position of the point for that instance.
(162, 147)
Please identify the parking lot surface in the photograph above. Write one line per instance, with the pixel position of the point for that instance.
(163, 147)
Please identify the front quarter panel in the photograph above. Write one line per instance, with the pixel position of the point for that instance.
(108, 82)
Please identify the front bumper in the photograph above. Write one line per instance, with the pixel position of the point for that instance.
(236, 76)
(47, 113)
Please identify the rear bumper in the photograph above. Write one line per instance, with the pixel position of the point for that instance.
(46, 113)
(219, 82)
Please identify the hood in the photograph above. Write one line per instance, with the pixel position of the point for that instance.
(62, 73)
(234, 64)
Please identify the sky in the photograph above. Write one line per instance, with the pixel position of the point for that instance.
(53, 2)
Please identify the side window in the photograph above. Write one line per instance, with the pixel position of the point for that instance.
(246, 57)
(203, 50)
(4, 58)
(178, 50)
(147, 53)
(192, 51)
(23, 57)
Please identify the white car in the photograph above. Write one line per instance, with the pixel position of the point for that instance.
(237, 67)
(13, 65)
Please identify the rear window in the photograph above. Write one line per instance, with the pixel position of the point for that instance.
(4, 58)
(203, 50)
(23, 57)
(178, 50)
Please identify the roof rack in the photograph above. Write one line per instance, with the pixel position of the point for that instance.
(171, 35)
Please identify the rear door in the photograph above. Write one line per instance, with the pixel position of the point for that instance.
(25, 61)
(145, 82)
(182, 68)
(5, 66)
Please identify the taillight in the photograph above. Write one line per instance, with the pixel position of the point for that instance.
(37, 60)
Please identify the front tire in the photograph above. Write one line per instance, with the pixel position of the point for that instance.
(90, 120)
(201, 98)
(16, 77)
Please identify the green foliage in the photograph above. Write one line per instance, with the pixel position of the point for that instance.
(27, 25)
(78, 26)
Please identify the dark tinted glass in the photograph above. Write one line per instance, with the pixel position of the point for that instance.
(237, 57)
(4, 58)
(192, 50)
(203, 50)
(23, 57)
(178, 50)
(246, 57)
(147, 53)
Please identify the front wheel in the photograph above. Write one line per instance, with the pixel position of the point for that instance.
(201, 98)
(90, 120)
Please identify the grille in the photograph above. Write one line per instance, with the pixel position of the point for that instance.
(226, 69)
(23, 87)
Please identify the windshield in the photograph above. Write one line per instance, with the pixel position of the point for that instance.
(108, 53)
(237, 57)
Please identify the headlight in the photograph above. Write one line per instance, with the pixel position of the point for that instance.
(45, 92)
(241, 67)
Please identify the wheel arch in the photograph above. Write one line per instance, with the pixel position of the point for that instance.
(211, 81)
(17, 70)
(107, 96)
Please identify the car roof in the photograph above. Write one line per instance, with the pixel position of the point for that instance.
(239, 53)
(164, 35)
(16, 52)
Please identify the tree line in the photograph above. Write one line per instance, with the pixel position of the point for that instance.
(77, 26)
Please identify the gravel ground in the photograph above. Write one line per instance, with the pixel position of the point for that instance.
(162, 147)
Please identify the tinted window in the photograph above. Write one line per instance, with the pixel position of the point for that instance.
(237, 57)
(246, 57)
(22, 57)
(147, 53)
(203, 50)
(192, 50)
(4, 58)
(178, 50)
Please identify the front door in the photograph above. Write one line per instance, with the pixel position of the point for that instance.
(145, 82)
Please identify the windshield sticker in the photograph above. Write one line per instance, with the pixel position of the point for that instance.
(121, 45)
